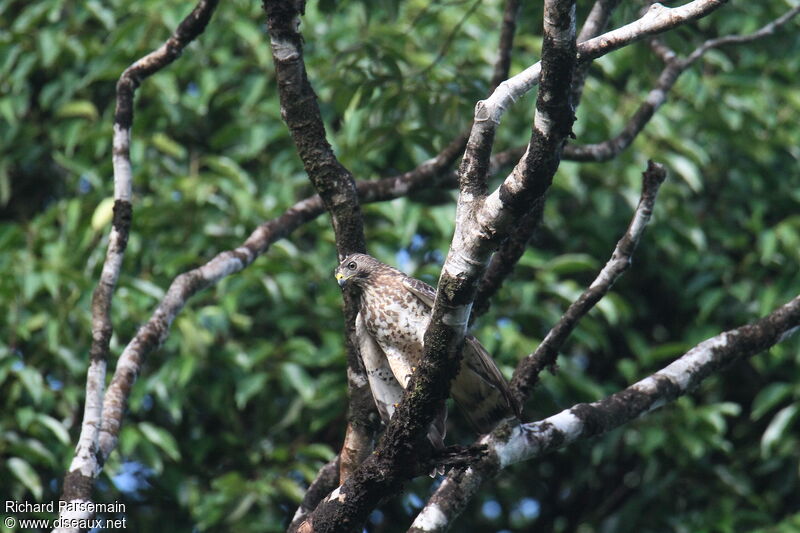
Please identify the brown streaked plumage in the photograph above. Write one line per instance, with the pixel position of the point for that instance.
(394, 313)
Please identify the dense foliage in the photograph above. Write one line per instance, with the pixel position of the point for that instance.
(233, 416)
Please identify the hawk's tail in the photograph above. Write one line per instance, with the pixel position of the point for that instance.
(480, 390)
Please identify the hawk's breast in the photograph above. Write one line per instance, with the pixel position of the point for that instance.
(395, 318)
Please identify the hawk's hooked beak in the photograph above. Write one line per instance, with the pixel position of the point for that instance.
(341, 279)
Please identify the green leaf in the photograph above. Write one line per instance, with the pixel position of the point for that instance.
(687, 170)
(777, 427)
(33, 382)
(290, 489)
(571, 263)
(48, 46)
(769, 397)
(27, 475)
(248, 387)
(319, 451)
(149, 288)
(299, 379)
(167, 145)
(161, 438)
(78, 109)
(56, 427)
(103, 214)
(103, 14)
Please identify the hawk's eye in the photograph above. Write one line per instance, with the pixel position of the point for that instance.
(351, 265)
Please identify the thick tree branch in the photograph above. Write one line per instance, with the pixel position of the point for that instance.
(507, 446)
(675, 66)
(506, 257)
(488, 113)
(337, 189)
(87, 462)
(452, 496)
(529, 368)
(327, 479)
(609, 149)
(682, 376)
(300, 110)
(657, 19)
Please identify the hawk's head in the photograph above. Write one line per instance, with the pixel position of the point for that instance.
(356, 268)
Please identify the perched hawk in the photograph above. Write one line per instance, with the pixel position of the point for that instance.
(394, 313)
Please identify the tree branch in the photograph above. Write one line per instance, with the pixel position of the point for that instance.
(299, 109)
(595, 24)
(452, 496)
(529, 368)
(678, 378)
(87, 462)
(327, 480)
(505, 259)
(337, 189)
(507, 446)
(488, 112)
(609, 149)
(507, 31)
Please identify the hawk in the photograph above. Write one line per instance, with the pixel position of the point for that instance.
(394, 313)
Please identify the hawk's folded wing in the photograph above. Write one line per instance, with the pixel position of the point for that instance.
(479, 389)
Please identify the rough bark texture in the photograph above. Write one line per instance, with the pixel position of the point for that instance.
(509, 445)
(680, 377)
(337, 189)
(88, 460)
(327, 480)
(383, 473)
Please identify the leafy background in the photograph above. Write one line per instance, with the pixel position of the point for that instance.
(232, 417)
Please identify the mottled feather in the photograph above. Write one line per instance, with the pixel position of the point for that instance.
(394, 314)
